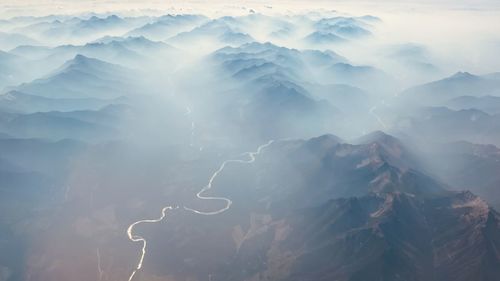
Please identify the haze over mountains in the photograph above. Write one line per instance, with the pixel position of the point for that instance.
(260, 146)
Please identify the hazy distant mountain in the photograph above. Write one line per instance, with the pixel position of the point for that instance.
(290, 63)
(471, 115)
(370, 19)
(414, 63)
(11, 71)
(88, 125)
(98, 23)
(346, 27)
(253, 60)
(80, 29)
(408, 51)
(488, 104)
(9, 41)
(256, 70)
(139, 44)
(276, 108)
(32, 51)
(283, 33)
(82, 77)
(459, 84)
(168, 26)
(465, 165)
(215, 31)
(253, 22)
(322, 58)
(129, 51)
(346, 98)
(323, 37)
(363, 21)
(16, 69)
(52, 127)
(359, 76)
(350, 30)
(50, 27)
(15, 101)
(274, 88)
(443, 124)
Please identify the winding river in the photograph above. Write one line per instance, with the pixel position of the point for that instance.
(137, 238)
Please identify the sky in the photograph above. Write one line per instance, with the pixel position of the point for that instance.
(10, 8)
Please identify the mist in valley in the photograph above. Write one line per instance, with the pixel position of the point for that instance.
(249, 141)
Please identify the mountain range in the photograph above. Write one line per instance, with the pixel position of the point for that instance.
(247, 146)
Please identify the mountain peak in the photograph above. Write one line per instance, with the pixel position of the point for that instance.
(323, 142)
(80, 59)
(462, 74)
(376, 136)
(113, 17)
(393, 150)
(88, 65)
